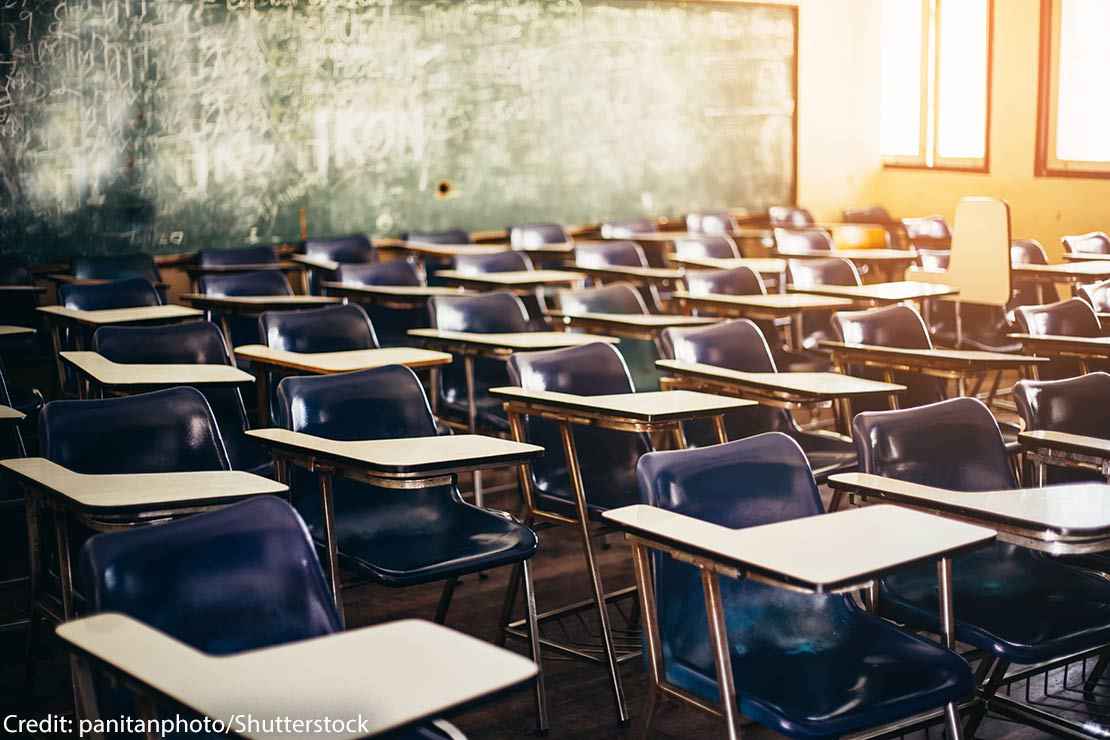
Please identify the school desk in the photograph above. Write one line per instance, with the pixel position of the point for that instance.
(645, 326)
(390, 675)
(1072, 273)
(770, 307)
(783, 390)
(1045, 447)
(402, 464)
(887, 264)
(399, 297)
(103, 375)
(1083, 349)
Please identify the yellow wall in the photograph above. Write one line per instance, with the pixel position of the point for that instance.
(1041, 208)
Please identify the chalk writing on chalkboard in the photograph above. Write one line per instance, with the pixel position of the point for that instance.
(172, 124)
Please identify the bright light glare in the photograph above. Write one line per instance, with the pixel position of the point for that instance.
(1084, 105)
(900, 122)
(962, 79)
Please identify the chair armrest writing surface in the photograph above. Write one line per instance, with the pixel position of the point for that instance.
(812, 385)
(114, 374)
(650, 407)
(388, 675)
(1053, 518)
(121, 315)
(122, 492)
(405, 457)
(783, 302)
(822, 553)
(319, 263)
(1064, 442)
(15, 331)
(649, 320)
(7, 413)
(1079, 346)
(342, 362)
(418, 291)
(938, 358)
(895, 292)
(762, 265)
(454, 250)
(513, 278)
(258, 302)
(528, 340)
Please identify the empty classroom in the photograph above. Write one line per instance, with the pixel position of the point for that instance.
(588, 369)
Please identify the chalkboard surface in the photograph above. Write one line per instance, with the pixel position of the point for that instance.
(180, 124)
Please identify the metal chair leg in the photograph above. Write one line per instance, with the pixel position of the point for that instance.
(986, 691)
(445, 599)
(511, 591)
(1096, 674)
(542, 722)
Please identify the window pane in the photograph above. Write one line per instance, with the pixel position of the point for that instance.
(962, 79)
(902, 96)
(1084, 105)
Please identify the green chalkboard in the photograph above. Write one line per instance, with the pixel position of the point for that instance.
(174, 125)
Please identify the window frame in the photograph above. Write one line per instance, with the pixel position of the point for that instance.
(1045, 163)
(930, 110)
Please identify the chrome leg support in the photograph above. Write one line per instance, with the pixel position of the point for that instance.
(542, 722)
(646, 586)
(718, 640)
(327, 503)
(445, 600)
(595, 576)
(948, 631)
(472, 421)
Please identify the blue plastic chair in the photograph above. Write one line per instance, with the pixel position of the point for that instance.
(804, 665)
(255, 255)
(524, 236)
(803, 240)
(711, 222)
(627, 228)
(619, 254)
(715, 246)
(422, 536)
(486, 313)
(640, 354)
(790, 217)
(243, 329)
(740, 345)
(1014, 604)
(261, 544)
(350, 249)
(392, 324)
(607, 460)
(116, 267)
(1073, 317)
(446, 236)
(196, 343)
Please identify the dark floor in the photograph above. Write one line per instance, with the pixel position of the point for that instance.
(579, 697)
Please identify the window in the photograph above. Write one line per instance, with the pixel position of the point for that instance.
(936, 57)
(1072, 135)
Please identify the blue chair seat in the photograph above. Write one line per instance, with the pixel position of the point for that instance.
(801, 688)
(418, 536)
(1010, 601)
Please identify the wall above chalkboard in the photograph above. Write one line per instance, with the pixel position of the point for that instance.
(172, 125)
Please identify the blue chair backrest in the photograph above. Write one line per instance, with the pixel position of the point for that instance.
(738, 281)
(523, 236)
(241, 578)
(256, 255)
(1027, 252)
(831, 271)
(259, 282)
(625, 229)
(866, 215)
(129, 293)
(1097, 294)
(194, 343)
(329, 329)
(615, 298)
(116, 267)
(791, 217)
(1093, 242)
(607, 254)
(717, 247)
(704, 483)
(803, 240)
(480, 264)
(164, 431)
(1071, 318)
(1078, 405)
(954, 444)
(395, 272)
(711, 222)
(352, 248)
(382, 403)
(736, 345)
(447, 236)
(590, 370)
(486, 313)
